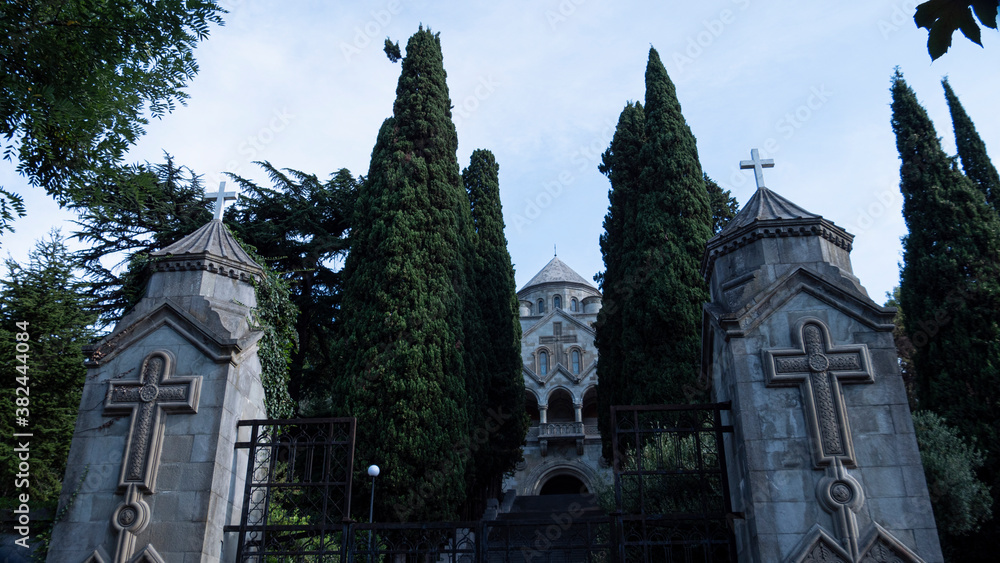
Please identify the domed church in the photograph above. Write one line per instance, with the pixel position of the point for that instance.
(563, 450)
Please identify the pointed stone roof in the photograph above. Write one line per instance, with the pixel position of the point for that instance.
(556, 271)
(768, 215)
(212, 248)
(766, 205)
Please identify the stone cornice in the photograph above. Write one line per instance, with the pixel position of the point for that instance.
(208, 262)
(727, 242)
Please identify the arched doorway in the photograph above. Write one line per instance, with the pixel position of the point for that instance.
(563, 484)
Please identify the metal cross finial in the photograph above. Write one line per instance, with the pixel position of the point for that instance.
(758, 166)
(220, 197)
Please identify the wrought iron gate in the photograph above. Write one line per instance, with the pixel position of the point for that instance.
(297, 493)
(671, 485)
(671, 492)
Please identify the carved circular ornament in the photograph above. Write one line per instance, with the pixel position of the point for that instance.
(127, 516)
(841, 492)
(148, 393)
(818, 362)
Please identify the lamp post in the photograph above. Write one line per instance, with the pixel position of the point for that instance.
(373, 471)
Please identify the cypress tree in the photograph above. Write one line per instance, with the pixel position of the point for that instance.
(950, 287)
(972, 150)
(500, 427)
(620, 163)
(672, 224)
(401, 308)
(657, 288)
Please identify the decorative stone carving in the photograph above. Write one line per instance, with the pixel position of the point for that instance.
(819, 368)
(147, 401)
(129, 519)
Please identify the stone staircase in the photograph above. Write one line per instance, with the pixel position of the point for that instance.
(543, 507)
(548, 529)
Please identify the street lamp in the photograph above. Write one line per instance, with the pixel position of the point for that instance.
(373, 471)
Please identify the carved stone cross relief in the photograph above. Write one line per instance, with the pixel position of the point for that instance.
(819, 368)
(148, 400)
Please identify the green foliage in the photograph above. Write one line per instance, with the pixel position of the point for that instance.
(47, 296)
(134, 212)
(669, 482)
(11, 206)
(961, 501)
(724, 206)
(401, 352)
(942, 18)
(392, 50)
(950, 288)
(904, 347)
(494, 336)
(275, 314)
(79, 78)
(299, 226)
(620, 164)
(972, 150)
(656, 234)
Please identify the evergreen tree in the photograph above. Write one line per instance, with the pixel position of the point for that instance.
(133, 212)
(724, 205)
(972, 150)
(620, 164)
(950, 290)
(79, 80)
(300, 228)
(402, 303)
(45, 303)
(658, 291)
(500, 423)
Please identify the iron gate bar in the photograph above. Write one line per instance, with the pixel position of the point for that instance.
(707, 531)
(272, 438)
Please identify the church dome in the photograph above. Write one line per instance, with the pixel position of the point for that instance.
(556, 272)
(557, 286)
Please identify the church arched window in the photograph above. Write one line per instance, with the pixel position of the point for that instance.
(576, 362)
(557, 302)
(543, 362)
(541, 306)
(573, 305)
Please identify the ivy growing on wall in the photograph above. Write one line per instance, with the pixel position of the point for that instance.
(275, 314)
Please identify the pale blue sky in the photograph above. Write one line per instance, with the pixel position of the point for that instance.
(305, 84)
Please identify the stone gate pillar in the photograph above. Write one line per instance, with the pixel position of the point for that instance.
(823, 461)
(152, 473)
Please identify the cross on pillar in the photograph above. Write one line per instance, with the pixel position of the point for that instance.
(147, 401)
(758, 166)
(819, 368)
(220, 197)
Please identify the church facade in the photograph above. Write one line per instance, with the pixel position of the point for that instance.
(562, 454)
